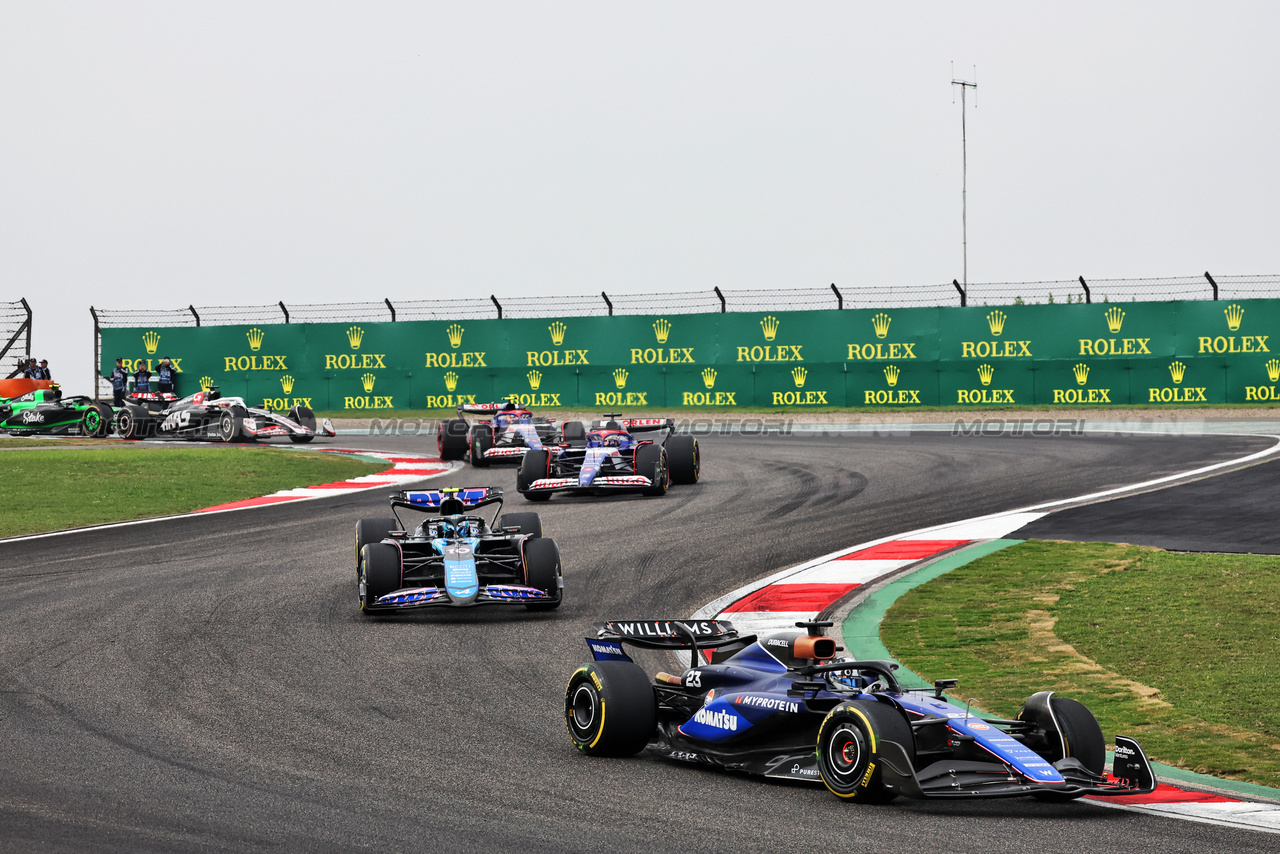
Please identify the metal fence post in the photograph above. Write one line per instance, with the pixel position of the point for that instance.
(606, 302)
(498, 304)
(963, 296)
(97, 351)
(285, 310)
(717, 290)
(195, 314)
(1087, 296)
(839, 298)
(391, 308)
(1213, 283)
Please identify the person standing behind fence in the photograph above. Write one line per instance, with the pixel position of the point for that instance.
(164, 376)
(119, 379)
(45, 373)
(142, 377)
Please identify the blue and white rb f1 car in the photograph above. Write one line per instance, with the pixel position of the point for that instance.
(612, 457)
(455, 558)
(784, 706)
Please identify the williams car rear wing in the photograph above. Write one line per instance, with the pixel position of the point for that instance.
(692, 635)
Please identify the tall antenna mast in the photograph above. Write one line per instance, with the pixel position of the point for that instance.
(964, 85)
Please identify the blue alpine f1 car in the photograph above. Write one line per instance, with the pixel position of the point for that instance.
(611, 457)
(454, 558)
(784, 706)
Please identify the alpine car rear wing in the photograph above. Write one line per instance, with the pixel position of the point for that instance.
(430, 500)
(692, 635)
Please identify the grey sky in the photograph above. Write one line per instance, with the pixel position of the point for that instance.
(159, 154)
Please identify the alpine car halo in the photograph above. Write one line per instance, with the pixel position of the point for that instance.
(611, 458)
(784, 706)
(454, 558)
(504, 437)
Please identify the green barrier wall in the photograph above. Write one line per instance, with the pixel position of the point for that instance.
(1170, 353)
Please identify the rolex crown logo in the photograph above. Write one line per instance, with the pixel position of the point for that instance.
(1082, 373)
(1115, 318)
(709, 377)
(995, 320)
(769, 324)
(206, 383)
(450, 382)
(255, 336)
(662, 328)
(367, 382)
(1177, 371)
(1273, 370)
(557, 330)
(535, 379)
(286, 384)
(152, 341)
(620, 377)
(354, 335)
(985, 373)
(455, 335)
(1234, 314)
(881, 323)
(891, 374)
(799, 374)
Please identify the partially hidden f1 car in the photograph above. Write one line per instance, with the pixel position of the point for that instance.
(45, 410)
(612, 458)
(503, 437)
(784, 706)
(455, 558)
(210, 416)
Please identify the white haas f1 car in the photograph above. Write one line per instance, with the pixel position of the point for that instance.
(210, 416)
(612, 458)
(503, 437)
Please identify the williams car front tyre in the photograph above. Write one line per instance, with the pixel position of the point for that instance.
(851, 745)
(1069, 731)
(610, 709)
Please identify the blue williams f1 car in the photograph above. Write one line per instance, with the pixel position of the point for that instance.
(784, 706)
(455, 558)
(611, 458)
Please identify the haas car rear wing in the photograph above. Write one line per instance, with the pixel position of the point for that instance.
(692, 635)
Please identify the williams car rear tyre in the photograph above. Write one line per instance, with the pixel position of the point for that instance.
(451, 439)
(372, 531)
(684, 459)
(542, 570)
(481, 443)
(621, 689)
(533, 465)
(850, 746)
(380, 573)
(528, 523)
(1077, 735)
(651, 462)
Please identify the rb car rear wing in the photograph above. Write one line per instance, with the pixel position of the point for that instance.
(663, 634)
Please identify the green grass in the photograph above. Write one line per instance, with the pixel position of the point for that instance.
(1180, 651)
(49, 490)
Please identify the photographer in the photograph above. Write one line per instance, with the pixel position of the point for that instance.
(119, 380)
(164, 376)
(142, 377)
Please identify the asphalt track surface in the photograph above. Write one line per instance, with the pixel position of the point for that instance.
(1233, 512)
(208, 683)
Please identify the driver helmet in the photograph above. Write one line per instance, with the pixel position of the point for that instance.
(444, 530)
(526, 418)
(614, 440)
(465, 529)
(849, 681)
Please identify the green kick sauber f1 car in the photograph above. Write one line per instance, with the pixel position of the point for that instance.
(45, 410)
